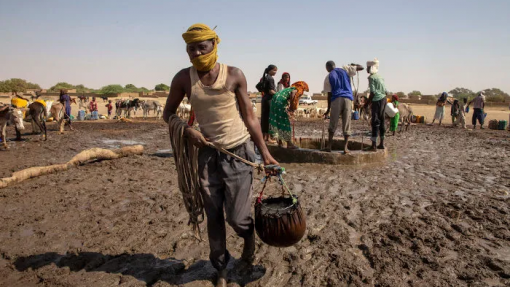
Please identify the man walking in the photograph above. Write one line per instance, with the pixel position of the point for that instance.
(215, 92)
(338, 86)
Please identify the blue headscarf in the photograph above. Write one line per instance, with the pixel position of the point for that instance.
(443, 97)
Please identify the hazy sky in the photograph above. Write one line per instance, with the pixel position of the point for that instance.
(431, 46)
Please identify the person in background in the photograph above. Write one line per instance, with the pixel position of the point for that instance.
(396, 118)
(378, 100)
(440, 108)
(338, 86)
(462, 114)
(284, 102)
(284, 83)
(109, 106)
(65, 100)
(455, 112)
(93, 108)
(269, 91)
(478, 106)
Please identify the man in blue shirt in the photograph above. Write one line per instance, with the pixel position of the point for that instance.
(338, 86)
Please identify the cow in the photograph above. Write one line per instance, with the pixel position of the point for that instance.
(11, 115)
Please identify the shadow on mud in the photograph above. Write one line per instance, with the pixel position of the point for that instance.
(144, 267)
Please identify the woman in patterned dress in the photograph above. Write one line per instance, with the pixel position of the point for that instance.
(283, 104)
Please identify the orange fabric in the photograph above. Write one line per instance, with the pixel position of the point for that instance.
(300, 87)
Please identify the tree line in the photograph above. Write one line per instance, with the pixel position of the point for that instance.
(21, 85)
(491, 95)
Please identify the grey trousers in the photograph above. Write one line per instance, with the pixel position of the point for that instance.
(341, 108)
(226, 184)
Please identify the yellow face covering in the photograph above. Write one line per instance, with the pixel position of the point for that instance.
(199, 33)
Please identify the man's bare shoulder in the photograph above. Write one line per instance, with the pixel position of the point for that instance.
(182, 74)
(234, 71)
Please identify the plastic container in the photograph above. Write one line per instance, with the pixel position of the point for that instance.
(502, 125)
(422, 119)
(81, 115)
(467, 110)
(19, 103)
(95, 115)
(390, 110)
(493, 124)
(355, 115)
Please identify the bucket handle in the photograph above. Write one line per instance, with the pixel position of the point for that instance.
(276, 171)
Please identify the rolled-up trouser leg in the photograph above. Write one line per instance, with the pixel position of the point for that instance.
(212, 190)
(334, 115)
(346, 112)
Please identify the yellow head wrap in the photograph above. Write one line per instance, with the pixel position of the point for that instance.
(199, 33)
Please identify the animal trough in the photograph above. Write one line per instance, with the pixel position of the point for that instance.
(309, 152)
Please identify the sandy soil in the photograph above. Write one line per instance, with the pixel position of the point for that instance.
(436, 213)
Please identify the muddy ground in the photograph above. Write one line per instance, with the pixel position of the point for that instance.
(436, 213)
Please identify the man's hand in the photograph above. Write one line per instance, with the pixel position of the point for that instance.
(269, 160)
(196, 138)
(326, 114)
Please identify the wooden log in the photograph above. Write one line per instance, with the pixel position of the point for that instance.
(81, 158)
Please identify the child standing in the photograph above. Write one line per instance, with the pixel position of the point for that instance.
(454, 112)
(461, 118)
(396, 118)
(110, 109)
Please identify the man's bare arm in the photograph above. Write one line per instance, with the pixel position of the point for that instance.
(175, 96)
(250, 119)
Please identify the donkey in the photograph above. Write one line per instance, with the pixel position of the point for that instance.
(10, 115)
(148, 106)
(38, 114)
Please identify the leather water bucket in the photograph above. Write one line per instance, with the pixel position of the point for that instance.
(279, 222)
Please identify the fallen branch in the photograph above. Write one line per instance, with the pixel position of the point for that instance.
(79, 159)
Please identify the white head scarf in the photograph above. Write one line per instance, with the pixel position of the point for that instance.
(374, 66)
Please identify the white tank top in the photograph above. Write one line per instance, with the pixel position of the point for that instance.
(217, 111)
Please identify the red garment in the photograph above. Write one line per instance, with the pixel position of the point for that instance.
(285, 84)
(93, 106)
(110, 107)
